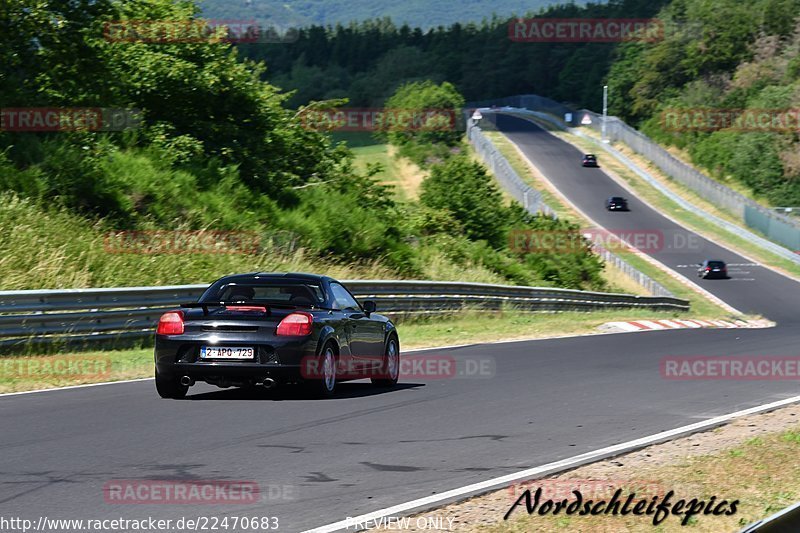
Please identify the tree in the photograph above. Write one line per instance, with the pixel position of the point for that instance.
(464, 189)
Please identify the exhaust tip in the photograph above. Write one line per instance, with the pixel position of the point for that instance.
(187, 381)
(269, 383)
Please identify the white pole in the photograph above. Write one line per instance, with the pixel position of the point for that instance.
(605, 112)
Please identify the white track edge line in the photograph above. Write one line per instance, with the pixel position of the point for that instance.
(413, 350)
(448, 347)
(577, 460)
(83, 386)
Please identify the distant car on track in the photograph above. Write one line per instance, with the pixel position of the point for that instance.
(713, 269)
(589, 160)
(617, 203)
(261, 329)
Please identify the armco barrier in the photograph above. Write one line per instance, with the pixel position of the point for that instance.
(87, 315)
(531, 199)
(777, 227)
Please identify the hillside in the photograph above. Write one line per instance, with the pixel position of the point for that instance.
(367, 62)
(217, 175)
(727, 92)
(416, 13)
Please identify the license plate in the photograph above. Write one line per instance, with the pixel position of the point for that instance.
(226, 352)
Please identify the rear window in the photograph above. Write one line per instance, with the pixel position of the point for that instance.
(716, 264)
(617, 199)
(259, 291)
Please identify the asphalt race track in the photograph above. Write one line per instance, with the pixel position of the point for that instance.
(321, 461)
(751, 289)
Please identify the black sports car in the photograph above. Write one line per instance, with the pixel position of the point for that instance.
(261, 329)
(589, 160)
(713, 269)
(616, 203)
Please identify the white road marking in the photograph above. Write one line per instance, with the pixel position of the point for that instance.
(448, 347)
(650, 324)
(75, 387)
(547, 469)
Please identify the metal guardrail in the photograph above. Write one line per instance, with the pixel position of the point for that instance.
(785, 520)
(87, 315)
(777, 227)
(531, 199)
(711, 191)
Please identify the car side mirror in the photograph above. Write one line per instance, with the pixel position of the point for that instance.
(370, 307)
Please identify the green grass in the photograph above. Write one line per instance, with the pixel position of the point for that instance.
(762, 474)
(72, 252)
(399, 172)
(57, 249)
(355, 139)
(379, 154)
(32, 372)
(522, 167)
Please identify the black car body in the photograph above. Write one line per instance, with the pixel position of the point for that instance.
(262, 329)
(713, 269)
(616, 203)
(589, 160)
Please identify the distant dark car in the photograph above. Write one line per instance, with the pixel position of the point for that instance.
(713, 269)
(262, 329)
(590, 160)
(616, 203)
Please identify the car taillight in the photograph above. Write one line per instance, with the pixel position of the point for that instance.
(296, 324)
(171, 323)
(708, 268)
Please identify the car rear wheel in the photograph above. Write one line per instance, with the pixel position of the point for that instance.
(390, 372)
(170, 388)
(325, 386)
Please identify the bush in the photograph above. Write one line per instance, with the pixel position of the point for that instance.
(464, 189)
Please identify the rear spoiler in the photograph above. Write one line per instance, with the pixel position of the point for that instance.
(254, 306)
